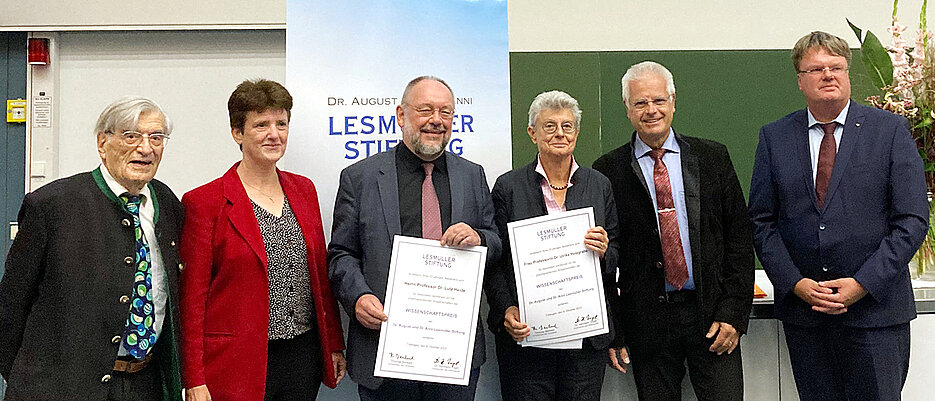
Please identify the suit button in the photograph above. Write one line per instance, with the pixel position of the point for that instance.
(821, 226)
(171, 243)
(181, 267)
(824, 268)
(662, 299)
(125, 222)
(115, 340)
(124, 299)
(105, 379)
(658, 265)
(128, 260)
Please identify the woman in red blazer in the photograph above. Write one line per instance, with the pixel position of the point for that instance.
(259, 321)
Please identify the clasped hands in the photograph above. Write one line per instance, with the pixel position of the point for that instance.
(831, 297)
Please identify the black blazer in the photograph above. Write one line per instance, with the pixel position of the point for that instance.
(517, 195)
(720, 233)
(60, 295)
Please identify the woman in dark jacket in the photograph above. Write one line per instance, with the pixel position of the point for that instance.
(552, 183)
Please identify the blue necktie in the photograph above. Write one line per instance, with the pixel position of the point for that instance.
(140, 333)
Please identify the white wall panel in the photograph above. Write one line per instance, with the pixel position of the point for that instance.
(46, 15)
(191, 74)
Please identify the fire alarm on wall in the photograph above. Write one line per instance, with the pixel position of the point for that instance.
(16, 111)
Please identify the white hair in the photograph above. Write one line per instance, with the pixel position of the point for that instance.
(642, 69)
(124, 114)
(553, 100)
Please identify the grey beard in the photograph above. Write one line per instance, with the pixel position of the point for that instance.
(427, 151)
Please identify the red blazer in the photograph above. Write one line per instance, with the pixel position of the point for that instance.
(225, 290)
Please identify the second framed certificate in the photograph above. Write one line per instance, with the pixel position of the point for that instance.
(558, 281)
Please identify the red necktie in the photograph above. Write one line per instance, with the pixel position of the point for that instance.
(673, 255)
(826, 153)
(431, 216)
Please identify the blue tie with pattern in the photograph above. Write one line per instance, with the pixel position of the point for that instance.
(140, 334)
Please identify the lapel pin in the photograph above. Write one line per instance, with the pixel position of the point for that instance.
(857, 124)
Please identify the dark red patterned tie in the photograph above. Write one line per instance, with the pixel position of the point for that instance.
(672, 254)
(431, 216)
(826, 153)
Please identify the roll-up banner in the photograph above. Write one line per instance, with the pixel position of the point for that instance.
(347, 63)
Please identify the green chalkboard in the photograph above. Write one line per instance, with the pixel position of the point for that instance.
(724, 95)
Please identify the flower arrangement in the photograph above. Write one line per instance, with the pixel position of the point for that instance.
(905, 73)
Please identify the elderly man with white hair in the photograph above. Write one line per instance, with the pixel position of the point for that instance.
(88, 302)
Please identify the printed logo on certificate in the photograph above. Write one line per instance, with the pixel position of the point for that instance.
(432, 305)
(559, 284)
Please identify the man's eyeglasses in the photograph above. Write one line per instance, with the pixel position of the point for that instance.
(133, 138)
(818, 71)
(427, 111)
(643, 104)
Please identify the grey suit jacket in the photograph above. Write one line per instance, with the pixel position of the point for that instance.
(366, 217)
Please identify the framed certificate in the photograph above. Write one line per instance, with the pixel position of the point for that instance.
(432, 305)
(558, 281)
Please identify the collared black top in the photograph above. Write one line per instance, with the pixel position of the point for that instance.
(409, 176)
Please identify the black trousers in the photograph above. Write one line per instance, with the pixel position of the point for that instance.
(540, 374)
(410, 390)
(840, 363)
(659, 373)
(144, 385)
(293, 368)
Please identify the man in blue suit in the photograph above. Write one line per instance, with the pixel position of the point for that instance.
(417, 190)
(838, 201)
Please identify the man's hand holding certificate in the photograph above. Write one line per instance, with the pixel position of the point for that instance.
(558, 279)
(432, 304)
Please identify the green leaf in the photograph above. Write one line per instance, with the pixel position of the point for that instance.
(856, 30)
(877, 60)
(929, 166)
(926, 122)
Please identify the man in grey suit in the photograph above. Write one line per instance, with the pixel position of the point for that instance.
(417, 190)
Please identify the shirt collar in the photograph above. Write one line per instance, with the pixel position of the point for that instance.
(839, 119)
(118, 189)
(641, 149)
(541, 170)
(412, 162)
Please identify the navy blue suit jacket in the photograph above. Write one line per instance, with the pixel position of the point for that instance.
(366, 217)
(874, 219)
